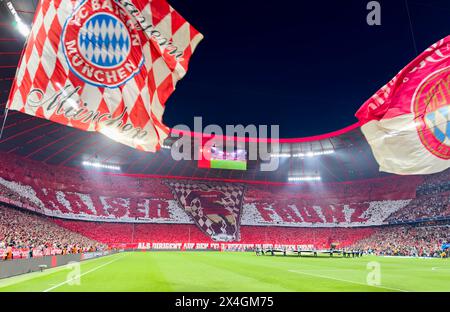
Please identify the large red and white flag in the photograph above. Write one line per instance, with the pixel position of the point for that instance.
(407, 122)
(104, 65)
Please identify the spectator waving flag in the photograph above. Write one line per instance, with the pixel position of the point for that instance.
(407, 122)
(104, 65)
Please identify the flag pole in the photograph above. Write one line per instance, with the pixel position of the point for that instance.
(4, 122)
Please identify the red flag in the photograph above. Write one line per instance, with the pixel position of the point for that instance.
(407, 122)
(106, 66)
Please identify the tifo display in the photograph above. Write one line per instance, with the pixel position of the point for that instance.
(104, 189)
(393, 215)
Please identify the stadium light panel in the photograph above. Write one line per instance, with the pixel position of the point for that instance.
(302, 155)
(21, 27)
(313, 154)
(101, 165)
(280, 155)
(304, 179)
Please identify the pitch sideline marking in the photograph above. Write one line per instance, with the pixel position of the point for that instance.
(343, 280)
(439, 269)
(14, 280)
(78, 276)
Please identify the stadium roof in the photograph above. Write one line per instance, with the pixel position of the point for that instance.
(54, 144)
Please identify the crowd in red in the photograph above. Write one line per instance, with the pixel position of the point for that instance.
(118, 233)
(320, 238)
(407, 240)
(84, 195)
(29, 172)
(114, 233)
(24, 231)
(62, 235)
(37, 174)
(25, 234)
(395, 187)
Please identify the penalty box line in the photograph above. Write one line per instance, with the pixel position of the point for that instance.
(80, 275)
(346, 281)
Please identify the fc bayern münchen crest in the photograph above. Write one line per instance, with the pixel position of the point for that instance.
(101, 44)
(431, 106)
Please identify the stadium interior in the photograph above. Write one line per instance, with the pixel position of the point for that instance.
(66, 191)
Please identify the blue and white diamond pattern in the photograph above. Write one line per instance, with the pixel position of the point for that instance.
(104, 40)
(439, 122)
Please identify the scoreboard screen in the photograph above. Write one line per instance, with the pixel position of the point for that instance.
(220, 159)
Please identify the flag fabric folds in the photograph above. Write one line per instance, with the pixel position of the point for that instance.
(214, 207)
(107, 66)
(407, 122)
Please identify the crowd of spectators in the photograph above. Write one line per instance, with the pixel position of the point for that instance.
(435, 184)
(320, 238)
(407, 240)
(21, 230)
(38, 174)
(83, 195)
(346, 204)
(423, 208)
(419, 241)
(24, 230)
(116, 233)
(30, 172)
(392, 187)
(431, 202)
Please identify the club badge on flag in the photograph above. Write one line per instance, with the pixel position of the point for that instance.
(104, 65)
(215, 208)
(407, 122)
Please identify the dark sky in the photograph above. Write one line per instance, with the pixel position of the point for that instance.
(305, 65)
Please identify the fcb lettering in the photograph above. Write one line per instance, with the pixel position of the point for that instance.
(431, 107)
(101, 44)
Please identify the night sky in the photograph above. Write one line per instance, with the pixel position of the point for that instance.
(304, 65)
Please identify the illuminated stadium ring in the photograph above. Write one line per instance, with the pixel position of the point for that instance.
(101, 45)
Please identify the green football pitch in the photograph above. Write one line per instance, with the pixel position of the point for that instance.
(224, 272)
